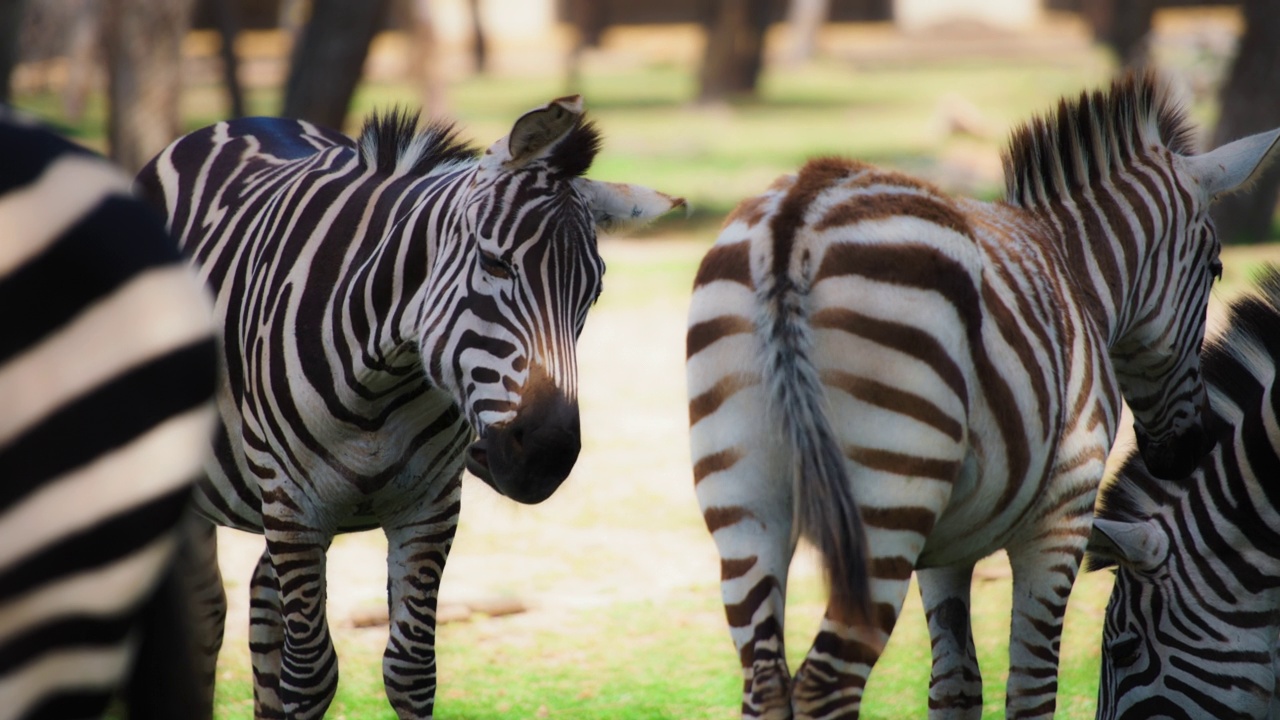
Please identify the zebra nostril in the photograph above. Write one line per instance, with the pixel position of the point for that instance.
(517, 438)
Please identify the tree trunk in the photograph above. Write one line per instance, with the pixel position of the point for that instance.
(143, 44)
(228, 25)
(734, 53)
(328, 61)
(479, 45)
(10, 23)
(1124, 26)
(424, 54)
(805, 19)
(1251, 104)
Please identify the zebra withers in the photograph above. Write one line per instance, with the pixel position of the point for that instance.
(913, 381)
(391, 308)
(107, 374)
(1194, 615)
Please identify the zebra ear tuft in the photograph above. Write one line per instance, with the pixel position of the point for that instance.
(618, 207)
(1234, 165)
(1142, 545)
(537, 130)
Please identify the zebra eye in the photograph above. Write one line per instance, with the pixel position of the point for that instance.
(1124, 650)
(1215, 269)
(495, 265)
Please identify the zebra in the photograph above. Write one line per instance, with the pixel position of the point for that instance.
(912, 382)
(392, 308)
(1194, 615)
(107, 370)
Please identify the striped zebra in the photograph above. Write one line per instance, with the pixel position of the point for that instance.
(385, 302)
(107, 374)
(913, 382)
(1195, 612)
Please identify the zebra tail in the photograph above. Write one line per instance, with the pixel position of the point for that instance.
(825, 510)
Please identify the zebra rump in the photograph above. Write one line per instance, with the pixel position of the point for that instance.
(107, 369)
(1192, 624)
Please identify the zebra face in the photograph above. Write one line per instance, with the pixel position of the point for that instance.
(1176, 642)
(1158, 363)
(528, 269)
(1166, 655)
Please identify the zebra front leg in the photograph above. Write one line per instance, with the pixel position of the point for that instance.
(305, 664)
(266, 639)
(1042, 580)
(955, 684)
(415, 561)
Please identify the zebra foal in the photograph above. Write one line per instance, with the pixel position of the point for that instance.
(107, 372)
(913, 382)
(390, 308)
(1192, 625)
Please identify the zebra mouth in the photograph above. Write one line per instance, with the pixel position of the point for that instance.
(478, 462)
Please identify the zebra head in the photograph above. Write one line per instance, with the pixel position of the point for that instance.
(1157, 361)
(1176, 642)
(525, 271)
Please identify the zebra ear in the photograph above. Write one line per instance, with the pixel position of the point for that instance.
(1142, 545)
(1235, 164)
(617, 207)
(537, 130)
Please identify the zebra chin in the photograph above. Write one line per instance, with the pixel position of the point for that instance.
(1177, 457)
(528, 458)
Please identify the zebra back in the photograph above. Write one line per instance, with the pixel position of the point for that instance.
(106, 370)
(1194, 614)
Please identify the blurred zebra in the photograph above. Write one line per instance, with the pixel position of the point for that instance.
(1195, 612)
(384, 302)
(913, 382)
(107, 374)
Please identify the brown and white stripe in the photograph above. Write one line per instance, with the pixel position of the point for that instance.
(912, 382)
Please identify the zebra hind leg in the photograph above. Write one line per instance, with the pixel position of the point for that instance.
(1042, 580)
(955, 685)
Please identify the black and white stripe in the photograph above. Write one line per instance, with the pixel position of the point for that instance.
(391, 307)
(107, 372)
(1195, 612)
(913, 381)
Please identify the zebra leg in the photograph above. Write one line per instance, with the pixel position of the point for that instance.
(833, 676)
(307, 667)
(266, 639)
(199, 559)
(415, 561)
(955, 686)
(1042, 579)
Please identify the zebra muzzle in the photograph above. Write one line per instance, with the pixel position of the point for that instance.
(528, 458)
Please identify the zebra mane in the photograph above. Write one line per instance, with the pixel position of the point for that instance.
(1084, 140)
(393, 141)
(1252, 327)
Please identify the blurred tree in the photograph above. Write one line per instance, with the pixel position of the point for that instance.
(328, 60)
(226, 18)
(142, 40)
(1250, 104)
(424, 57)
(734, 54)
(589, 19)
(805, 18)
(479, 46)
(10, 22)
(1122, 25)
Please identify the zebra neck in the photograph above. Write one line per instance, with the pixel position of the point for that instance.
(381, 307)
(1102, 256)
